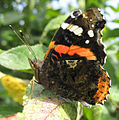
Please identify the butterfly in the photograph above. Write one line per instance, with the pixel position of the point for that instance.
(73, 63)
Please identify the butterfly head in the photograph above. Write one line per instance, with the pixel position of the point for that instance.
(35, 65)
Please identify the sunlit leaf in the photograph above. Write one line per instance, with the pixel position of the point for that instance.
(48, 105)
(15, 87)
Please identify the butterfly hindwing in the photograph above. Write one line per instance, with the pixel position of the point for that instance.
(77, 80)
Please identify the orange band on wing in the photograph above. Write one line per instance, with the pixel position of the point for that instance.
(62, 49)
(49, 48)
(74, 49)
(83, 52)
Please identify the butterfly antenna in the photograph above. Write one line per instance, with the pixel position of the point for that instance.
(24, 40)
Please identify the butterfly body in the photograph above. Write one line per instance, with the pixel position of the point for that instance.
(73, 64)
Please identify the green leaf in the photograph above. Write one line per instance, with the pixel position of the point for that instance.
(109, 66)
(52, 25)
(50, 106)
(114, 93)
(1, 51)
(6, 110)
(113, 49)
(106, 115)
(116, 21)
(11, 17)
(117, 74)
(20, 116)
(111, 44)
(110, 33)
(17, 58)
(95, 3)
(115, 9)
(93, 113)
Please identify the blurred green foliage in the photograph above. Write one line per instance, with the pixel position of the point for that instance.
(39, 20)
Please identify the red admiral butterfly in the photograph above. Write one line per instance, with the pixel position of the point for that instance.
(73, 63)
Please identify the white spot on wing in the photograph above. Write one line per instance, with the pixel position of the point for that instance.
(92, 25)
(78, 31)
(64, 25)
(91, 20)
(87, 41)
(72, 16)
(74, 27)
(90, 33)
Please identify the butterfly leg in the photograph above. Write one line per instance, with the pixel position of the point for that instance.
(32, 85)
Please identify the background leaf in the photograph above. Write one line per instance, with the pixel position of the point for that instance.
(9, 19)
(11, 109)
(17, 58)
(15, 87)
(93, 113)
(53, 25)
